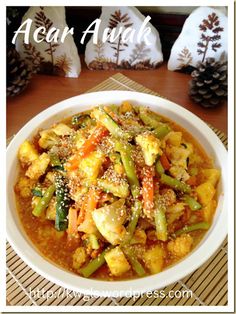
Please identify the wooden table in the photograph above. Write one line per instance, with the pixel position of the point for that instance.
(45, 91)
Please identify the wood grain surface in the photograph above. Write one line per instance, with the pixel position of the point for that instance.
(45, 91)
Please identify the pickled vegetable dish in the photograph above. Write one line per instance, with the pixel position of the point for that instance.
(115, 193)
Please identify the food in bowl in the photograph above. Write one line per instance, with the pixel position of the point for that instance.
(116, 192)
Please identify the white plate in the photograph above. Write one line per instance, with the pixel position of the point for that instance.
(209, 244)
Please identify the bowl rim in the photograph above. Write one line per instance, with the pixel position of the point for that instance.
(213, 238)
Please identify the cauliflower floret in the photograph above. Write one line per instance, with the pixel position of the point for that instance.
(48, 138)
(179, 173)
(173, 138)
(168, 197)
(27, 153)
(181, 246)
(24, 187)
(109, 221)
(79, 257)
(38, 167)
(178, 155)
(150, 147)
(174, 212)
(117, 261)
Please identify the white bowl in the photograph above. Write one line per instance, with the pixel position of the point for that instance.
(208, 245)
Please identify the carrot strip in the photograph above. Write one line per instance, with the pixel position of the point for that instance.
(89, 204)
(148, 189)
(82, 211)
(192, 181)
(72, 221)
(72, 163)
(93, 197)
(165, 162)
(88, 146)
(91, 143)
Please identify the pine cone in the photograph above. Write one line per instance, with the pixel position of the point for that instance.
(18, 73)
(209, 84)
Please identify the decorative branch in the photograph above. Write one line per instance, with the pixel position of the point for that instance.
(211, 24)
(185, 57)
(116, 19)
(42, 21)
(64, 63)
(33, 56)
(139, 52)
(99, 49)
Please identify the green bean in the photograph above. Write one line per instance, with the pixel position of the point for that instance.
(175, 184)
(149, 118)
(161, 224)
(105, 119)
(117, 189)
(93, 241)
(198, 226)
(137, 267)
(191, 202)
(161, 131)
(136, 211)
(193, 171)
(62, 203)
(81, 120)
(125, 151)
(54, 160)
(114, 108)
(96, 263)
(44, 201)
(159, 168)
(37, 191)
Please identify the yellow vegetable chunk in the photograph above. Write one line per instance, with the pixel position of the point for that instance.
(125, 107)
(211, 175)
(173, 138)
(38, 167)
(205, 192)
(117, 262)
(91, 165)
(154, 259)
(79, 257)
(209, 210)
(27, 153)
(109, 221)
(181, 246)
(139, 237)
(62, 129)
